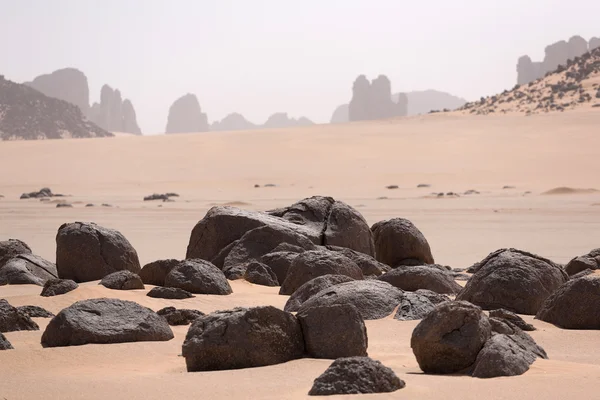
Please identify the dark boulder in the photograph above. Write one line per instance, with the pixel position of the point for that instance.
(511, 317)
(430, 277)
(478, 265)
(280, 262)
(513, 280)
(356, 375)
(55, 287)
(198, 276)
(333, 331)
(155, 272)
(416, 305)
(35, 312)
(4, 343)
(575, 305)
(581, 263)
(242, 338)
(179, 316)
(449, 338)
(169, 293)
(399, 242)
(11, 319)
(105, 321)
(11, 248)
(122, 280)
(311, 264)
(27, 269)
(373, 299)
(88, 252)
(311, 288)
(235, 272)
(369, 266)
(260, 274)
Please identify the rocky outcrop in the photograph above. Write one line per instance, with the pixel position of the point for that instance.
(12, 319)
(373, 100)
(282, 120)
(113, 113)
(232, 122)
(186, 116)
(27, 114)
(68, 84)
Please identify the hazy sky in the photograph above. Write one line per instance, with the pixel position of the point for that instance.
(257, 57)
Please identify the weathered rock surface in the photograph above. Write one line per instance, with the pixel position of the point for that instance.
(11, 248)
(590, 260)
(311, 288)
(113, 113)
(242, 338)
(312, 264)
(87, 252)
(122, 280)
(512, 318)
(186, 116)
(105, 321)
(333, 332)
(55, 287)
(399, 242)
(155, 272)
(198, 276)
(68, 84)
(574, 305)
(356, 375)
(27, 269)
(35, 312)
(430, 277)
(416, 305)
(4, 343)
(169, 293)
(514, 280)
(369, 266)
(12, 319)
(180, 316)
(450, 337)
(260, 274)
(280, 262)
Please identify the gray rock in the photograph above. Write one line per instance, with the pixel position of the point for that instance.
(155, 272)
(105, 321)
(11, 319)
(179, 316)
(280, 262)
(449, 338)
(260, 274)
(416, 305)
(242, 338)
(4, 343)
(311, 288)
(399, 242)
(198, 276)
(11, 248)
(27, 269)
(369, 266)
(169, 293)
(55, 287)
(122, 280)
(35, 312)
(430, 277)
(581, 263)
(311, 264)
(356, 375)
(88, 252)
(511, 317)
(334, 332)
(513, 280)
(235, 272)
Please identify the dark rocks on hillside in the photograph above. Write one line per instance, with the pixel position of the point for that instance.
(155, 272)
(512, 318)
(12, 319)
(4, 343)
(260, 274)
(122, 280)
(581, 263)
(169, 293)
(311, 288)
(514, 280)
(430, 277)
(399, 242)
(311, 264)
(450, 337)
(198, 276)
(356, 375)
(56, 287)
(87, 252)
(86, 322)
(186, 116)
(30, 115)
(333, 331)
(575, 305)
(416, 305)
(35, 312)
(373, 100)
(68, 84)
(179, 316)
(27, 269)
(242, 338)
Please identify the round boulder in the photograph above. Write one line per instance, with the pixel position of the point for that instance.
(311, 288)
(155, 272)
(449, 338)
(179, 317)
(198, 276)
(88, 252)
(581, 263)
(11, 248)
(122, 280)
(55, 287)
(429, 277)
(160, 292)
(399, 242)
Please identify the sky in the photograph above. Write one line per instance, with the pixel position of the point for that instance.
(258, 57)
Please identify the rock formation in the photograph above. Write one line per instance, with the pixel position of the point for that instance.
(68, 84)
(232, 122)
(594, 43)
(186, 116)
(282, 120)
(374, 100)
(25, 113)
(340, 115)
(113, 113)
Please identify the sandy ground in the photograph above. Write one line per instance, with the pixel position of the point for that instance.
(353, 163)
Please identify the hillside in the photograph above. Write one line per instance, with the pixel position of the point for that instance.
(570, 86)
(26, 114)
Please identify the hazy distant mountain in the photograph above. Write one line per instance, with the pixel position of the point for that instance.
(232, 122)
(26, 113)
(281, 120)
(186, 116)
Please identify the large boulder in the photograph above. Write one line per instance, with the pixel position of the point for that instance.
(369, 266)
(430, 277)
(280, 262)
(122, 280)
(4, 343)
(373, 299)
(311, 264)
(180, 316)
(575, 305)
(242, 338)
(27, 269)
(260, 274)
(55, 287)
(513, 280)
(10, 249)
(333, 332)
(416, 305)
(590, 260)
(169, 293)
(450, 337)
(399, 242)
(88, 252)
(311, 288)
(155, 272)
(356, 375)
(198, 276)
(105, 321)
(12, 319)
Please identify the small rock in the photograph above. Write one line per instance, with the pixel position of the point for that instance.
(392, 187)
(169, 293)
(179, 317)
(55, 287)
(35, 312)
(122, 280)
(4, 343)
(260, 274)
(12, 320)
(423, 185)
(64, 205)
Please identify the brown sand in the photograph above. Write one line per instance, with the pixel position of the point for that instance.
(352, 162)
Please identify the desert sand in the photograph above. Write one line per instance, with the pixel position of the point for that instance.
(354, 162)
